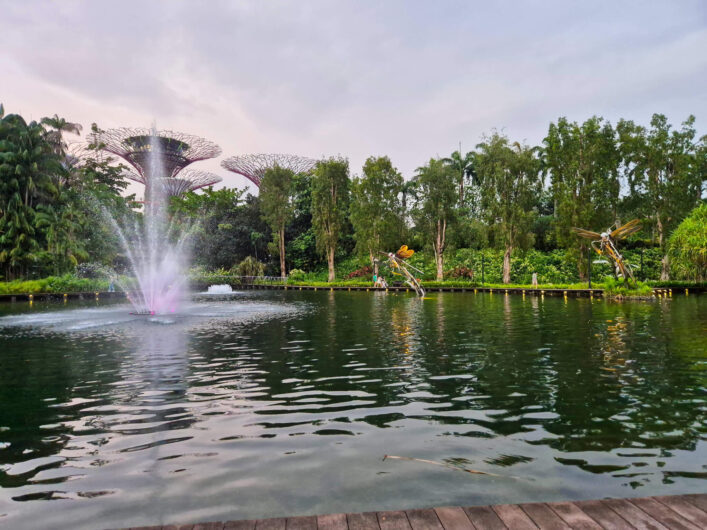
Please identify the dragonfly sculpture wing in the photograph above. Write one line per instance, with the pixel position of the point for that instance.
(626, 230)
(404, 252)
(586, 233)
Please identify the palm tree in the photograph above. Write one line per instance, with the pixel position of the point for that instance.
(60, 126)
(464, 168)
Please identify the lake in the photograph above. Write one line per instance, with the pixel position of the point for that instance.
(272, 403)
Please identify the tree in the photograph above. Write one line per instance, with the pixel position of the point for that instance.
(57, 127)
(27, 162)
(662, 167)
(583, 163)
(376, 208)
(435, 211)
(277, 207)
(230, 228)
(302, 242)
(330, 202)
(510, 176)
(688, 246)
(464, 169)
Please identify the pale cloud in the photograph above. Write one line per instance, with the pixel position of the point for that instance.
(403, 78)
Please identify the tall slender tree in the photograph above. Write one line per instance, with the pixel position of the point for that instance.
(330, 203)
(464, 168)
(376, 208)
(276, 203)
(583, 163)
(663, 167)
(510, 176)
(435, 210)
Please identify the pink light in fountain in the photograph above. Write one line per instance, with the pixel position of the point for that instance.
(157, 251)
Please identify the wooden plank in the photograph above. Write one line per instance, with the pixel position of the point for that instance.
(685, 508)
(362, 521)
(634, 515)
(453, 518)
(605, 516)
(240, 525)
(307, 522)
(699, 500)
(393, 521)
(423, 520)
(663, 514)
(513, 517)
(573, 516)
(484, 517)
(271, 524)
(332, 521)
(544, 517)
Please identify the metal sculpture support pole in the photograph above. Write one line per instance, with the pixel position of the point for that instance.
(482, 269)
(589, 267)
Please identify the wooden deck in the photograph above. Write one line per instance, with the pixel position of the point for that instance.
(684, 512)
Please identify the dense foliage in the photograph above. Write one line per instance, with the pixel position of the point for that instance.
(499, 213)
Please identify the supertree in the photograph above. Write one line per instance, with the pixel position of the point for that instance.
(175, 151)
(187, 180)
(253, 167)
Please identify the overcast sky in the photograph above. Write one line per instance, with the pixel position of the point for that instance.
(407, 79)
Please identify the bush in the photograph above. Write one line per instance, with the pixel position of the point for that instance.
(621, 288)
(250, 267)
(688, 246)
(358, 273)
(460, 272)
(296, 274)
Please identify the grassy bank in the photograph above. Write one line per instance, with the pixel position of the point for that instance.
(54, 284)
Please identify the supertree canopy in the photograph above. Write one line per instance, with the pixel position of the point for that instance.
(187, 180)
(135, 145)
(253, 167)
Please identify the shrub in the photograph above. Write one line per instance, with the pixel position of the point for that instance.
(250, 267)
(460, 272)
(296, 274)
(688, 246)
(358, 273)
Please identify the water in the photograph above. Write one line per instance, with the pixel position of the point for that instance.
(283, 403)
(220, 289)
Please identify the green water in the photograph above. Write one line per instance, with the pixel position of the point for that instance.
(285, 403)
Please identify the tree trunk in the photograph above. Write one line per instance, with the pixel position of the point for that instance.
(374, 262)
(507, 264)
(665, 269)
(330, 261)
(665, 262)
(281, 235)
(439, 258)
(582, 263)
(439, 248)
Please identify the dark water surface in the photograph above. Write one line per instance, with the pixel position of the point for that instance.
(285, 403)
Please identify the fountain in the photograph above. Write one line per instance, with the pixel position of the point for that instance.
(220, 289)
(156, 249)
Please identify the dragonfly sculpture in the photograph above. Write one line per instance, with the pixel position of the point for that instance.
(399, 267)
(605, 245)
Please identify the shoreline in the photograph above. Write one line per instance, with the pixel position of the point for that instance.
(658, 292)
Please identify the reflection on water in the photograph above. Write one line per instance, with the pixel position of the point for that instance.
(278, 403)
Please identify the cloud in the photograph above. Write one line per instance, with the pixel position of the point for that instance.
(406, 79)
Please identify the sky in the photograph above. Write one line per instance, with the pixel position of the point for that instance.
(407, 79)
